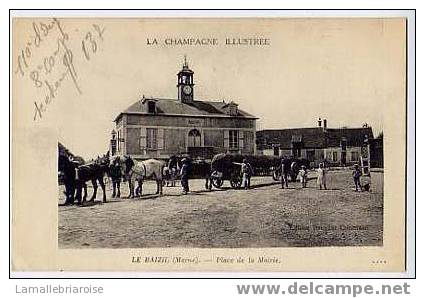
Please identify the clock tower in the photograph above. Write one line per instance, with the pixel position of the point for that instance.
(185, 83)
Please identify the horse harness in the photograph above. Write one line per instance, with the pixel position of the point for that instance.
(131, 171)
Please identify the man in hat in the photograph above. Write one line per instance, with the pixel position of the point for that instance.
(285, 168)
(357, 173)
(246, 172)
(115, 174)
(184, 175)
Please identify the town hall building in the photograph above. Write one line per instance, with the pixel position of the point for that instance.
(161, 127)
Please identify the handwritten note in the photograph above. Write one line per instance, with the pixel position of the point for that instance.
(48, 72)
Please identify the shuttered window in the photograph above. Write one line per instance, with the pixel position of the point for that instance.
(226, 139)
(241, 139)
(233, 139)
(160, 138)
(143, 143)
(151, 138)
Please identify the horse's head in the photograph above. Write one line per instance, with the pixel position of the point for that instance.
(124, 162)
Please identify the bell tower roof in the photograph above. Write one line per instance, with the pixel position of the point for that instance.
(185, 83)
(185, 67)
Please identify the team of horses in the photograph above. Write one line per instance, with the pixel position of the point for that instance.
(76, 174)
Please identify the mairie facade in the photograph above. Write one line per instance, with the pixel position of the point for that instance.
(161, 127)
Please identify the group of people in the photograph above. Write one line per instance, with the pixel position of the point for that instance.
(178, 169)
(175, 169)
(287, 167)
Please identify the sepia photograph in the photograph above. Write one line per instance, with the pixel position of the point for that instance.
(198, 173)
(206, 143)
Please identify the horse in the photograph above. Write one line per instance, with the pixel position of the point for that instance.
(94, 172)
(140, 171)
(198, 169)
(115, 173)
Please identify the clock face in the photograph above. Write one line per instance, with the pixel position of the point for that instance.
(187, 90)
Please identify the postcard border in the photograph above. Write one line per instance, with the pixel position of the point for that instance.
(410, 168)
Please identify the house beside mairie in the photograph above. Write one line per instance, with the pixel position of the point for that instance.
(336, 146)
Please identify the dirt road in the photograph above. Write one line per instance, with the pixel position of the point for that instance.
(265, 216)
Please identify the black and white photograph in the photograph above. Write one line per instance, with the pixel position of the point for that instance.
(198, 173)
(232, 141)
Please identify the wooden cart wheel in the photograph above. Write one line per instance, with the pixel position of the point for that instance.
(216, 180)
(236, 182)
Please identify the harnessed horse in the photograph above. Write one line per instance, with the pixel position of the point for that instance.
(94, 172)
(140, 171)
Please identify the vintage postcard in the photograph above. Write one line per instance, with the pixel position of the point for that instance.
(208, 144)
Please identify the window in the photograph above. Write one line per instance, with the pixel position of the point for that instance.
(233, 139)
(354, 156)
(151, 107)
(296, 152)
(310, 155)
(194, 138)
(334, 156)
(151, 138)
(233, 109)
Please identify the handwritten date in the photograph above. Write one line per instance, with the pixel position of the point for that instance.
(49, 72)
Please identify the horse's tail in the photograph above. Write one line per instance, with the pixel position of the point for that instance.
(162, 171)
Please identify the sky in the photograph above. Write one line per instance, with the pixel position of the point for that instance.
(347, 71)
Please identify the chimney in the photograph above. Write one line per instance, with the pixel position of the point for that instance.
(319, 122)
(325, 124)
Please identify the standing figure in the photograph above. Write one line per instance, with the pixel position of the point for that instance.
(246, 171)
(184, 175)
(68, 167)
(285, 168)
(357, 173)
(115, 174)
(173, 165)
(321, 176)
(303, 176)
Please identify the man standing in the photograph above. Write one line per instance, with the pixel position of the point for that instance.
(173, 169)
(357, 173)
(115, 173)
(246, 171)
(285, 168)
(184, 175)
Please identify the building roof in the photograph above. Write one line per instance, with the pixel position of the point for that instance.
(174, 107)
(315, 137)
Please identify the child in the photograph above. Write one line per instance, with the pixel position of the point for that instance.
(321, 176)
(303, 176)
(357, 173)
